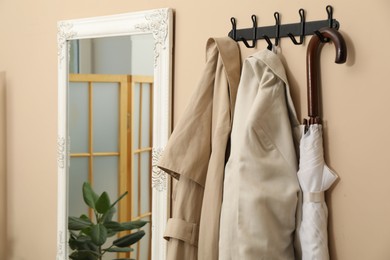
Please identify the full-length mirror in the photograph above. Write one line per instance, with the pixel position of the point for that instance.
(114, 121)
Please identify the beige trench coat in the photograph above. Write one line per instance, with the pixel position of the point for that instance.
(196, 156)
(261, 191)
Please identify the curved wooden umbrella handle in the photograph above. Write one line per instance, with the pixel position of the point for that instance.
(312, 67)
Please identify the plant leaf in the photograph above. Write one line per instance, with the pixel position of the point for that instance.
(129, 239)
(82, 243)
(78, 223)
(87, 231)
(108, 215)
(119, 249)
(85, 217)
(121, 197)
(84, 255)
(90, 197)
(72, 243)
(99, 234)
(103, 203)
(134, 224)
(111, 233)
(114, 226)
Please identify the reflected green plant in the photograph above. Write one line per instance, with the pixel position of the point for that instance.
(87, 237)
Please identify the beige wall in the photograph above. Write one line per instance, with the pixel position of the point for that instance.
(3, 178)
(355, 98)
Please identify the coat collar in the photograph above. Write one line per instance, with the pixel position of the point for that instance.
(273, 61)
(229, 52)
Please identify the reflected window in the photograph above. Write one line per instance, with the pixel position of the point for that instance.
(110, 126)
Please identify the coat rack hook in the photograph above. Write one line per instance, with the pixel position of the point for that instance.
(277, 25)
(234, 27)
(268, 40)
(302, 34)
(321, 37)
(254, 32)
(329, 10)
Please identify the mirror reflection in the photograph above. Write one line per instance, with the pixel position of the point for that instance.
(110, 120)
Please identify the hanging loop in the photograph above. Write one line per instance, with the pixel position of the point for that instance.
(234, 28)
(302, 34)
(254, 32)
(277, 25)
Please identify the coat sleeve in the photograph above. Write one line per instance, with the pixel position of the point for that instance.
(189, 147)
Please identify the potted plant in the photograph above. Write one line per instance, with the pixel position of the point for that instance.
(88, 235)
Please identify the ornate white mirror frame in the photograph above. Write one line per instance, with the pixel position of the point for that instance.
(157, 22)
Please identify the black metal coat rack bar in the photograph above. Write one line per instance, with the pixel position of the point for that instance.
(278, 30)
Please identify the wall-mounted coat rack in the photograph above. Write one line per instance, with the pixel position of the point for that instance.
(278, 30)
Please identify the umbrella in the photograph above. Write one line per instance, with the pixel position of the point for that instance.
(313, 175)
